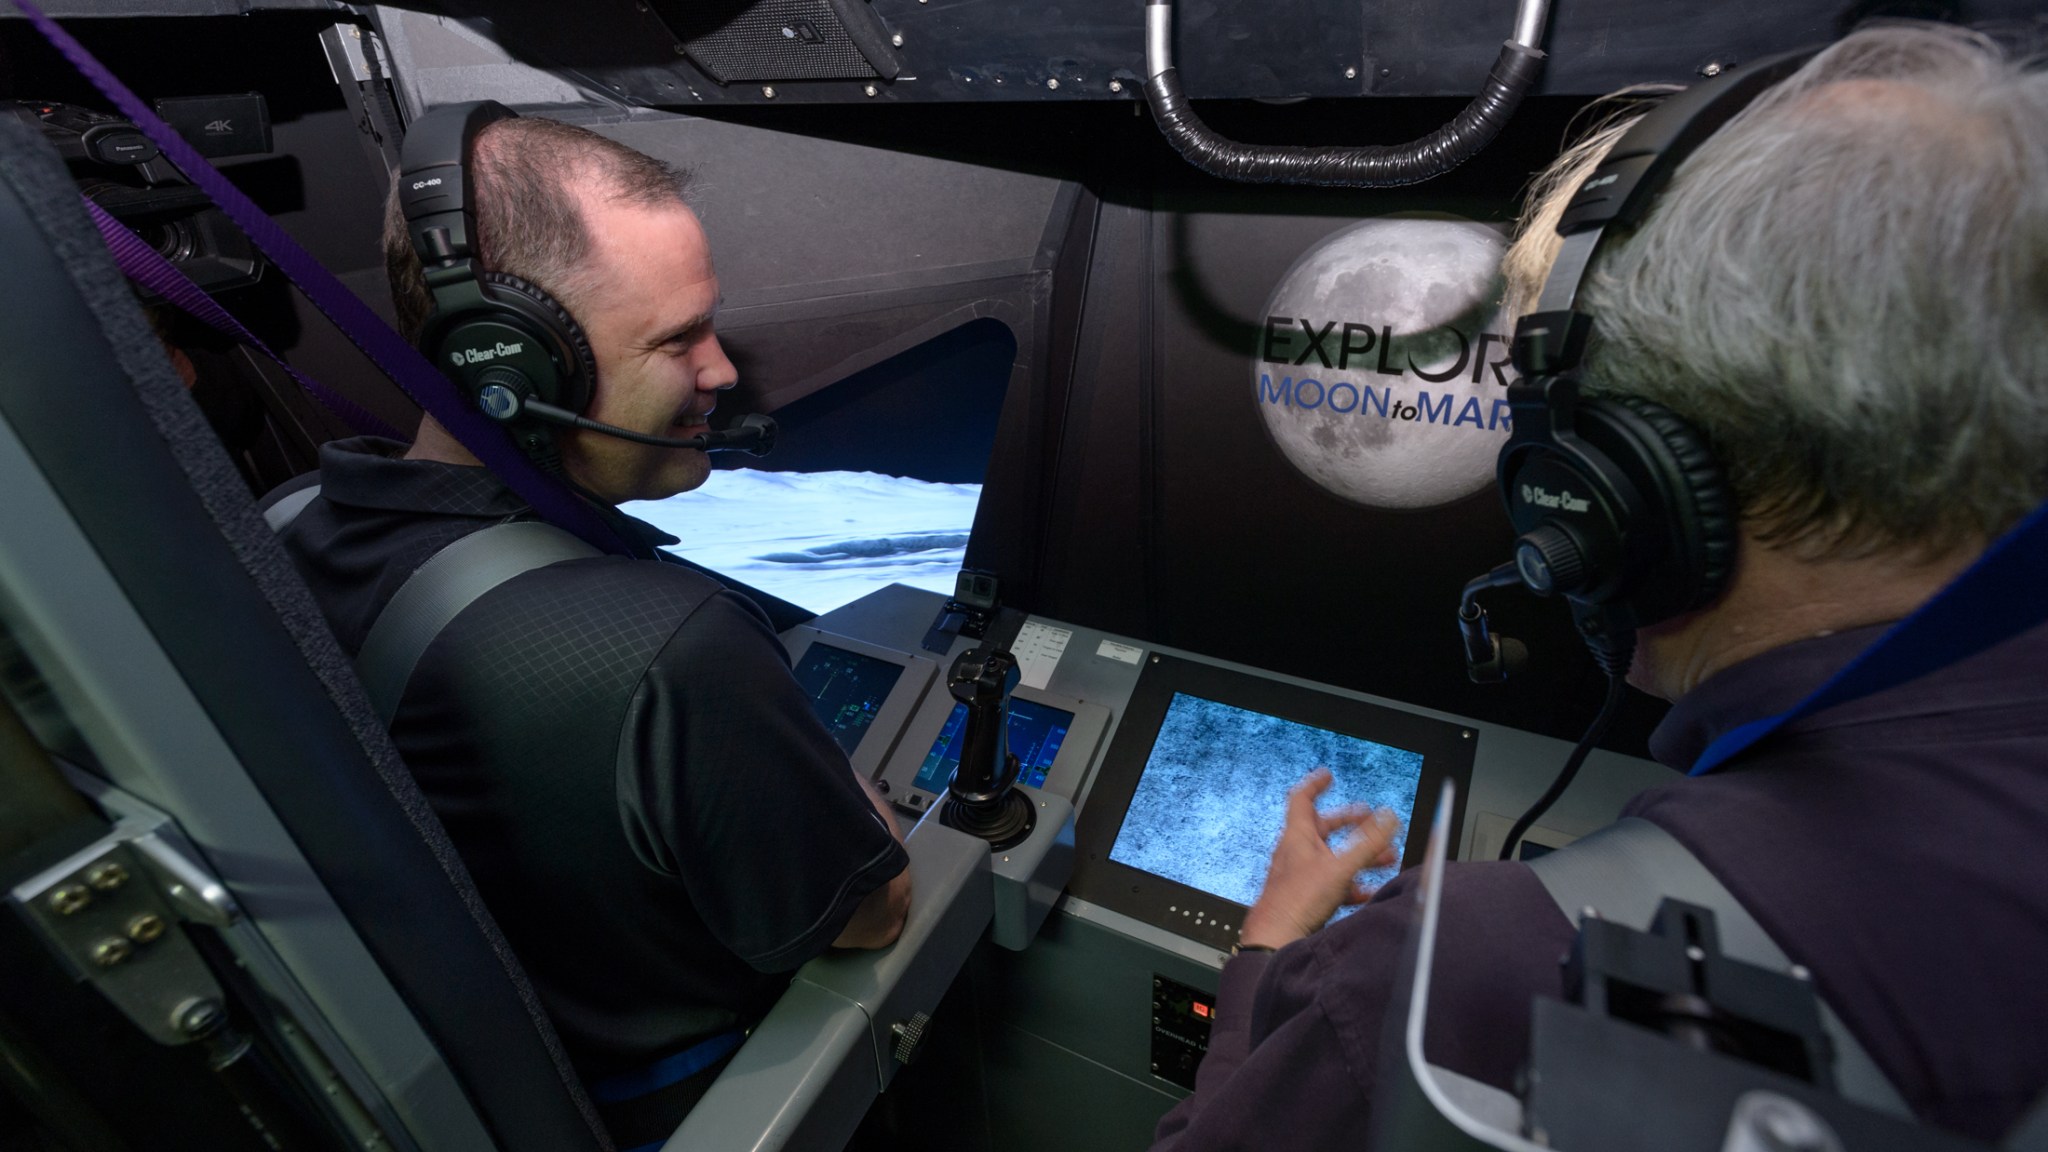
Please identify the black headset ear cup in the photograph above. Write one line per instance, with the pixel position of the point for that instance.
(1709, 553)
(574, 392)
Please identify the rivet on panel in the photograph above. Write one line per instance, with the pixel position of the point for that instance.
(70, 899)
(107, 876)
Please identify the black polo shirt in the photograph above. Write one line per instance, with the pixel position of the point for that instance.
(660, 824)
(1892, 845)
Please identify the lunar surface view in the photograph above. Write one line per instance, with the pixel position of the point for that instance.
(820, 539)
(1412, 413)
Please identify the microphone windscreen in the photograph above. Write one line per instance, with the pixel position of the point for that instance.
(1513, 656)
(767, 430)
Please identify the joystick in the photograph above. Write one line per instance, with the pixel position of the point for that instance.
(982, 798)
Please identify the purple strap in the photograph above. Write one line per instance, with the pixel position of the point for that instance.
(147, 267)
(365, 329)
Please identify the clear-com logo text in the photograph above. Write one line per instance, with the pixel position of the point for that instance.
(463, 356)
(1540, 497)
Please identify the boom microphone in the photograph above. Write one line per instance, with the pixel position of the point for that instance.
(1489, 659)
(753, 433)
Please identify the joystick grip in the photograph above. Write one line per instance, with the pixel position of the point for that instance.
(982, 680)
(981, 799)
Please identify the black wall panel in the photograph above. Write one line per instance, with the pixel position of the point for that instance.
(1012, 51)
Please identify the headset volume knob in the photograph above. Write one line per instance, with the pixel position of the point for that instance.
(502, 392)
(1550, 559)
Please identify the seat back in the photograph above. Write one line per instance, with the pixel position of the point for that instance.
(130, 548)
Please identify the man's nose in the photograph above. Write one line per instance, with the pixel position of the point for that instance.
(719, 374)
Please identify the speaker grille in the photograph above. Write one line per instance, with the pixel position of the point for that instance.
(783, 40)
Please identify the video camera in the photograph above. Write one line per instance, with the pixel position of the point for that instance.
(124, 173)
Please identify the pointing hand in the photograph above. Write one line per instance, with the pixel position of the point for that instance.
(1307, 880)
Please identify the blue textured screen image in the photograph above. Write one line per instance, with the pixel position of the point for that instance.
(1213, 795)
(1036, 732)
(846, 690)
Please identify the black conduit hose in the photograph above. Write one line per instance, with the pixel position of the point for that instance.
(1369, 166)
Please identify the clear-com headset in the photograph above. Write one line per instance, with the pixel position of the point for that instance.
(505, 342)
(511, 349)
(1618, 503)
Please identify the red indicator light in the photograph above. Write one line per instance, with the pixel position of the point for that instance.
(1201, 1009)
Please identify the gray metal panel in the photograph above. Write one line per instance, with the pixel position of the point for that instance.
(1030, 876)
(951, 900)
(438, 60)
(806, 1068)
(1088, 988)
(808, 1072)
(1049, 1098)
(153, 740)
(170, 850)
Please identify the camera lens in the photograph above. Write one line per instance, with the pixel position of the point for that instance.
(172, 239)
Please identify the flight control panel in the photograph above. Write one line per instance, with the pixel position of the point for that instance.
(1179, 810)
(1179, 768)
(863, 692)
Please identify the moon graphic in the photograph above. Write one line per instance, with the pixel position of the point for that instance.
(1417, 419)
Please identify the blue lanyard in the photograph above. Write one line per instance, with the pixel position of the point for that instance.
(2000, 596)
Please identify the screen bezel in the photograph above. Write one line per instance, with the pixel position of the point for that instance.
(1066, 730)
(1447, 751)
(1069, 768)
(897, 708)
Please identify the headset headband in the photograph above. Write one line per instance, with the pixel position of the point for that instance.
(435, 188)
(1551, 340)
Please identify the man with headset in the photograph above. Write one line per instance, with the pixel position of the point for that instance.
(1816, 387)
(616, 745)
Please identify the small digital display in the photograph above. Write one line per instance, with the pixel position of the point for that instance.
(1036, 732)
(846, 689)
(1212, 797)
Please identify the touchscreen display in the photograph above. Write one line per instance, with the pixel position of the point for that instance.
(846, 689)
(1213, 794)
(1036, 732)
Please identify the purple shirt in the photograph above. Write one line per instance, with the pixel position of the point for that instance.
(1893, 845)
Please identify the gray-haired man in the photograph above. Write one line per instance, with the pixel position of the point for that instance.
(1846, 291)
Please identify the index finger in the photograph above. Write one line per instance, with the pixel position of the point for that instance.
(1301, 799)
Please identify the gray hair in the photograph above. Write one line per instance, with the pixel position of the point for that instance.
(1846, 290)
(528, 219)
